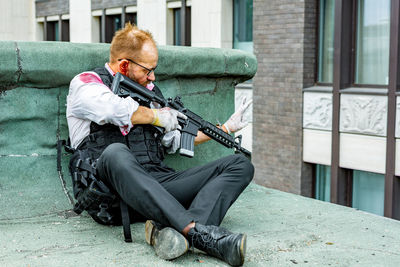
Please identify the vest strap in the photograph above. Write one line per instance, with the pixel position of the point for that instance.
(126, 223)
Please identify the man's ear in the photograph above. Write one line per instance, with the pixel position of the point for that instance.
(123, 67)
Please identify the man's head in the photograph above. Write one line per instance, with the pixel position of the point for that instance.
(133, 52)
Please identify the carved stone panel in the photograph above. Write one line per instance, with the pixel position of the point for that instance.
(366, 114)
(317, 111)
(398, 117)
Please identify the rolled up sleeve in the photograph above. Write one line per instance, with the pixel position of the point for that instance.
(90, 99)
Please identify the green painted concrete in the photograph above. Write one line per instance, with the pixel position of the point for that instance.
(51, 64)
(37, 229)
(34, 79)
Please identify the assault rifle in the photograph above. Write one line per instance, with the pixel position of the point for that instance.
(124, 87)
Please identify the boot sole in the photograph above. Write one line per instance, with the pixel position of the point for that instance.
(148, 231)
(168, 243)
(242, 249)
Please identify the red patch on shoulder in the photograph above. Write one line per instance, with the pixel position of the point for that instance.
(90, 78)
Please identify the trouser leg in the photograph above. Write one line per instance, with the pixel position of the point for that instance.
(119, 168)
(208, 191)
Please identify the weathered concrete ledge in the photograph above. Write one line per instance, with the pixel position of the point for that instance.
(204, 77)
(52, 64)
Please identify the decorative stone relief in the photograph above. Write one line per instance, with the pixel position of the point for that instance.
(398, 117)
(317, 111)
(363, 114)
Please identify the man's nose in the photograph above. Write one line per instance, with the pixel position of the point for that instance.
(151, 77)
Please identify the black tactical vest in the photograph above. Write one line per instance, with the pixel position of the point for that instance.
(143, 140)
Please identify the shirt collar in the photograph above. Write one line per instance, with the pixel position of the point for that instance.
(109, 69)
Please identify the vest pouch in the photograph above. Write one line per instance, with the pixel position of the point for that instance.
(91, 193)
(154, 151)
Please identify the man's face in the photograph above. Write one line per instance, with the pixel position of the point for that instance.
(148, 61)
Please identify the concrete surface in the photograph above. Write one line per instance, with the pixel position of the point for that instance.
(283, 230)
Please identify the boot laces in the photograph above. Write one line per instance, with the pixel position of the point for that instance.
(205, 241)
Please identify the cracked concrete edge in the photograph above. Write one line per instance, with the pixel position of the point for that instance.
(8, 66)
(19, 71)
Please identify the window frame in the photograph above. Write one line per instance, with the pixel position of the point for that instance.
(353, 50)
(188, 22)
(234, 32)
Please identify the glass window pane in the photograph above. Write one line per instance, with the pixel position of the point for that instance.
(131, 17)
(56, 32)
(372, 50)
(323, 183)
(52, 31)
(326, 33)
(177, 26)
(65, 30)
(243, 25)
(117, 23)
(113, 24)
(368, 191)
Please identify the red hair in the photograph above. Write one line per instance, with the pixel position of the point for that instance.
(128, 42)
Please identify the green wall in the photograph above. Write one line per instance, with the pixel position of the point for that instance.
(34, 80)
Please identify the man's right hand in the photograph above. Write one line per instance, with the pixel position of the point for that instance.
(167, 118)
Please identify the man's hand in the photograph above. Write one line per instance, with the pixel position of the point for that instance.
(172, 141)
(237, 121)
(167, 118)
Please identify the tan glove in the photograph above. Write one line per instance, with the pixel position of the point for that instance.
(167, 118)
(237, 121)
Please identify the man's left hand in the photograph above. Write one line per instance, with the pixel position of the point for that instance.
(237, 121)
(172, 141)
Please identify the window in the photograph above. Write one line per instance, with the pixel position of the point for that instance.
(372, 49)
(131, 17)
(323, 182)
(243, 25)
(113, 24)
(177, 26)
(368, 191)
(52, 32)
(371, 34)
(65, 31)
(325, 36)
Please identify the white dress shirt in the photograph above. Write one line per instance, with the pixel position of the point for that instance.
(90, 100)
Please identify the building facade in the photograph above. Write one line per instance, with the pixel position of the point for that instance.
(325, 98)
(326, 110)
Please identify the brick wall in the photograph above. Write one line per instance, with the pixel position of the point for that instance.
(100, 4)
(52, 7)
(284, 33)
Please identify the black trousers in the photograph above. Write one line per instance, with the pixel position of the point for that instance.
(201, 194)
